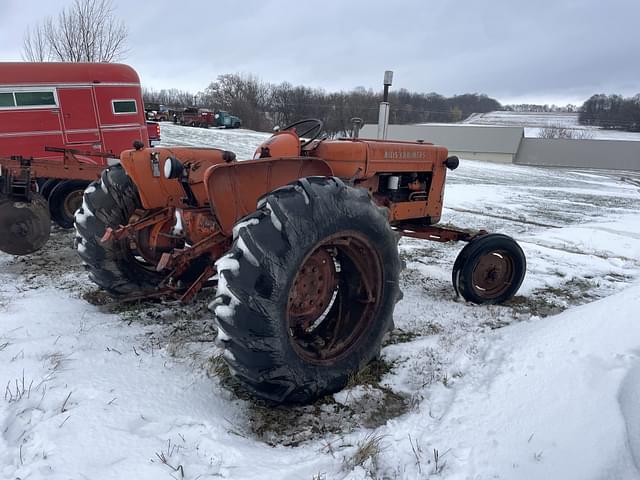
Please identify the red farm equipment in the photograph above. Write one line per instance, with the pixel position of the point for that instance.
(61, 124)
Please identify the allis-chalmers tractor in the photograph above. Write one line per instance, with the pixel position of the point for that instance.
(303, 239)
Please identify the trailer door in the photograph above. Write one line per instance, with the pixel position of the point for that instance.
(79, 118)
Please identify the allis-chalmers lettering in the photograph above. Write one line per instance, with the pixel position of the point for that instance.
(403, 155)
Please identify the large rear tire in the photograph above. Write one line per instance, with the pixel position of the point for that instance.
(307, 291)
(114, 266)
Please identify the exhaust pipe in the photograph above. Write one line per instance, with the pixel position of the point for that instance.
(383, 115)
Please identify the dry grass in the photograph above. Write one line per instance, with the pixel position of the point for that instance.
(367, 454)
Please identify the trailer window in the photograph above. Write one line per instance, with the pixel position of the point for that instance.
(35, 99)
(124, 106)
(6, 100)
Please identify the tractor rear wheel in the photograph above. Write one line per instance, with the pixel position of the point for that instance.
(307, 291)
(115, 265)
(24, 226)
(65, 199)
(489, 269)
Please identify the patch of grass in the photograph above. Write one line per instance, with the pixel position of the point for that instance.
(292, 425)
(371, 374)
(17, 390)
(367, 454)
(218, 368)
(165, 455)
(399, 336)
(97, 297)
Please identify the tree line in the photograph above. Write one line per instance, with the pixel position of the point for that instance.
(88, 31)
(262, 105)
(612, 111)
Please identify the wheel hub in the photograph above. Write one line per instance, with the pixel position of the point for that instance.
(73, 202)
(493, 273)
(334, 298)
(313, 288)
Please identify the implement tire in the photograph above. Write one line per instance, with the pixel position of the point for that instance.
(24, 226)
(110, 202)
(64, 199)
(307, 291)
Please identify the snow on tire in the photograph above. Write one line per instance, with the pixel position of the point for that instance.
(307, 291)
(110, 202)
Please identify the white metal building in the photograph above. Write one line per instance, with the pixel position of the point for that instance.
(474, 142)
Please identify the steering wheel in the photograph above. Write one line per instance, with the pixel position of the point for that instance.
(315, 128)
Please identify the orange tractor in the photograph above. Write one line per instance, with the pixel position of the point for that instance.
(303, 240)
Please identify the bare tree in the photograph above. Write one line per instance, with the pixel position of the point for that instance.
(87, 31)
(558, 131)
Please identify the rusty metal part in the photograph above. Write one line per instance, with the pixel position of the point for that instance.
(313, 288)
(179, 259)
(161, 216)
(71, 167)
(198, 224)
(24, 226)
(234, 188)
(148, 234)
(72, 202)
(197, 285)
(323, 336)
(436, 233)
(155, 239)
(493, 274)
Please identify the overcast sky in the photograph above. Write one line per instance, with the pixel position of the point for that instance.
(539, 51)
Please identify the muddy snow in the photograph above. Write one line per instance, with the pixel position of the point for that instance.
(545, 386)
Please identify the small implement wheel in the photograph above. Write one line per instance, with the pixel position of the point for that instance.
(64, 200)
(24, 226)
(489, 269)
(307, 291)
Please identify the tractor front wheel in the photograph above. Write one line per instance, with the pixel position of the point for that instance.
(307, 291)
(116, 266)
(489, 269)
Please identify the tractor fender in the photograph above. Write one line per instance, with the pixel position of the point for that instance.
(234, 188)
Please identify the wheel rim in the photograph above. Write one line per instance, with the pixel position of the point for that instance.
(493, 274)
(334, 298)
(147, 246)
(72, 202)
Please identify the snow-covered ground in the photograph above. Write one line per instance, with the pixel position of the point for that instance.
(534, 122)
(545, 387)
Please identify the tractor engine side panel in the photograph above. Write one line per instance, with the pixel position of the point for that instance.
(409, 176)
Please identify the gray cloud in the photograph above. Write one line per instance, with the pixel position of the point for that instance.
(553, 51)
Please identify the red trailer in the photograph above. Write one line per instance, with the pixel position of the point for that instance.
(60, 125)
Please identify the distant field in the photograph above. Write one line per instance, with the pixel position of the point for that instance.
(533, 122)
